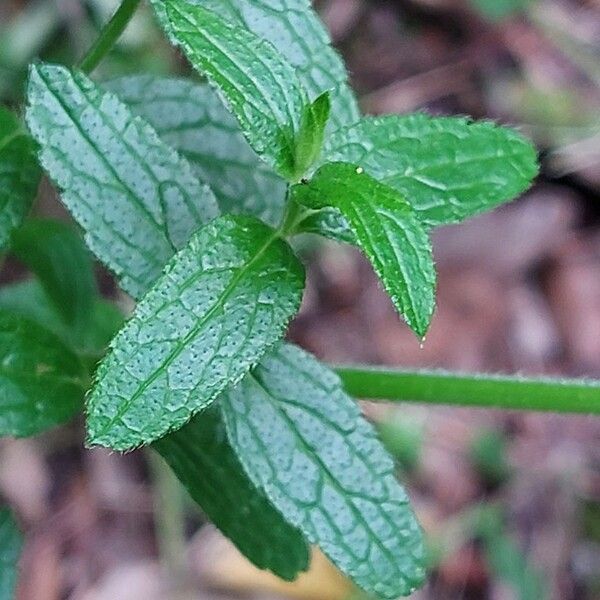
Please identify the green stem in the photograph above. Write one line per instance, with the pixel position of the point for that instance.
(109, 35)
(484, 391)
(169, 515)
(293, 215)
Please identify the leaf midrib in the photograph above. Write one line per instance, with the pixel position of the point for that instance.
(324, 469)
(181, 346)
(250, 99)
(109, 166)
(353, 211)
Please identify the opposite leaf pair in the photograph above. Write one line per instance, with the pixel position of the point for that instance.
(281, 432)
(281, 124)
(221, 302)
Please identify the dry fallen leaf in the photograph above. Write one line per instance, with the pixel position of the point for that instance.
(219, 564)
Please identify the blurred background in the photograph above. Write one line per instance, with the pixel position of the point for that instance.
(510, 501)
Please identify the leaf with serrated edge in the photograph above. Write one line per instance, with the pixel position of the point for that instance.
(132, 194)
(447, 168)
(11, 543)
(19, 174)
(203, 460)
(57, 255)
(260, 87)
(303, 441)
(42, 382)
(297, 33)
(387, 230)
(191, 118)
(129, 265)
(171, 108)
(222, 301)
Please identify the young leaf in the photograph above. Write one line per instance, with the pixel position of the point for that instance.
(312, 132)
(201, 457)
(57, 255)
(19, 174)
(387, 230)
(447, 168)
(260, 87)
(28, 299)
(41, 381)
(136, 199)
(297, 33)
(191, 118)
(11, 543)
(303, 441)
(222, 301)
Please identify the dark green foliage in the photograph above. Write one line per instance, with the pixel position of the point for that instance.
(10, 549)
(200, 455)
(19, 174)
(41, 381)
(57, 255)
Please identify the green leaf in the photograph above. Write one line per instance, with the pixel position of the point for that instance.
(57, 255)
(506, 560)
(260, 87)
(297, 33)
(509, 565)
(29, 300)
(497, 10)
(329, 223)
(11, 543)
(106, 321)
(243, 492)
(41, 380)
(312, 132)
(19, 174)
(222, 301)
(201, 457)
(387, 230)
(191, 118)
(303, 441)
(136, 199)
(448, 168)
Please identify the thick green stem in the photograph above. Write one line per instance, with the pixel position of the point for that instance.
(293, 215)
(109, 35)
(484, 391)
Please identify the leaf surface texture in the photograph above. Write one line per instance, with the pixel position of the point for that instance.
(304, 442)
(222, 301)
(191, 118)
(447, 168)
(388, 231)
(298, 34)
(203, 460)
(136, 199)
(260, 87)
